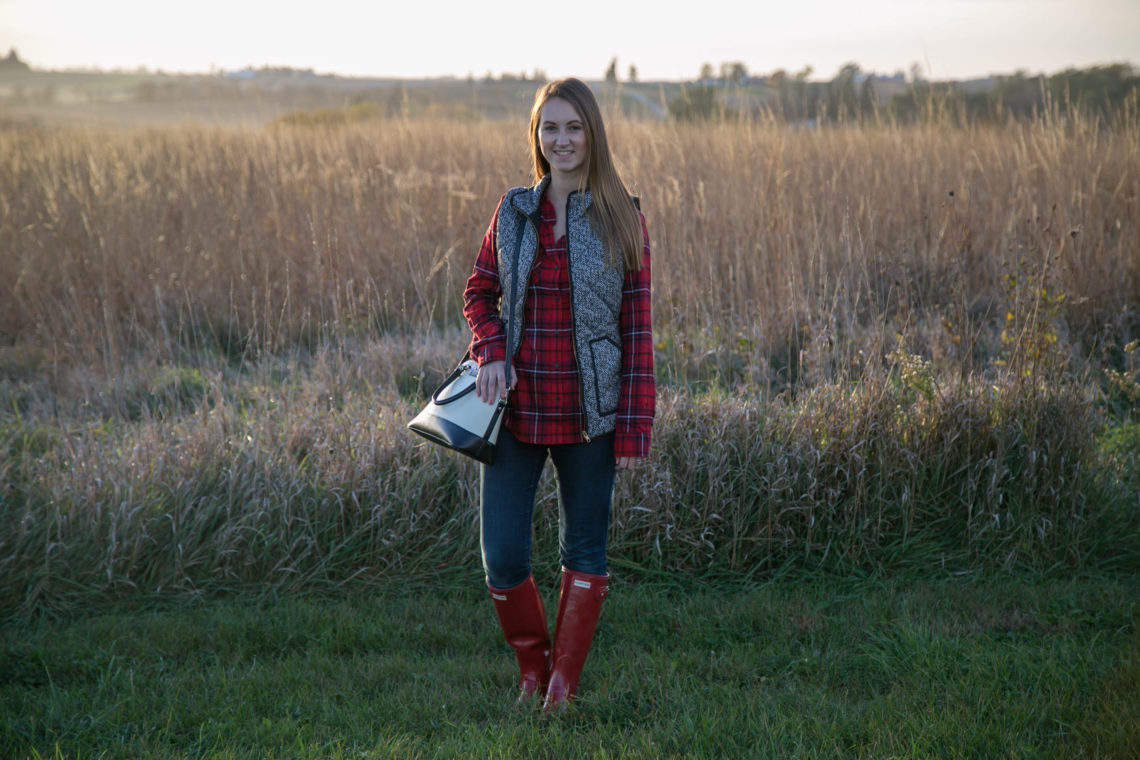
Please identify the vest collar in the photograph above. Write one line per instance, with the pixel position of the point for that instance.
(529, 199)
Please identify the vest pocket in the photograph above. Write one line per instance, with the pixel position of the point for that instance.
(606, 358)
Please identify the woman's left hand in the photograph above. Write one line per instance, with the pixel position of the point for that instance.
(625, 463)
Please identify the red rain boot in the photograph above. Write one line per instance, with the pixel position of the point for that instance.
(524, 626)
(579, 603)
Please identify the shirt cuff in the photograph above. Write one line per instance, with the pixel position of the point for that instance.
(631, 443)
(495, 351)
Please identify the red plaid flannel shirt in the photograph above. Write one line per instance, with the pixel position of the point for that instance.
(544, 407)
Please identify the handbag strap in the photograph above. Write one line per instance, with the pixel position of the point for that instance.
(511, 323)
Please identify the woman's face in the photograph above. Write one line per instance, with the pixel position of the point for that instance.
(562, 135)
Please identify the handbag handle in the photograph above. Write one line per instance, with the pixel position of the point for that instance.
(455, 374)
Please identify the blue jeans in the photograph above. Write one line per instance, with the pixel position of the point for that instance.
(506, 505)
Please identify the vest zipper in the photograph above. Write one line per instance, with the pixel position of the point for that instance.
(574, 328)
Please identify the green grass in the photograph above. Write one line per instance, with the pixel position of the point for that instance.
(1011, 667)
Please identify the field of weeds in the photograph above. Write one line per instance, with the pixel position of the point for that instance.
(877, 347)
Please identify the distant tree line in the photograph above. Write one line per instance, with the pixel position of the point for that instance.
(1099, 91)
(853, 95)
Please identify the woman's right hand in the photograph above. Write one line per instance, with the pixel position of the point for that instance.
(490, 383)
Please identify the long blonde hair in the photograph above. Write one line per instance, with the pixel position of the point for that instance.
(612, 208)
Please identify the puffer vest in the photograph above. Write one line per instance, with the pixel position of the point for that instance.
(595, 296)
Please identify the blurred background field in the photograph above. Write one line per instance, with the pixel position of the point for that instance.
(887, 337)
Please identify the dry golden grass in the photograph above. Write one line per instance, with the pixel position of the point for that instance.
(113, 242)
(874, 345)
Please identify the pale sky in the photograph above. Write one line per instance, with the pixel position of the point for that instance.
(949, 39)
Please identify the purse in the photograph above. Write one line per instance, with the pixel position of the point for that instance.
(456, 417)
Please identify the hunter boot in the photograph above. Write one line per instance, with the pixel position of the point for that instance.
(579, 603)
(524, 626)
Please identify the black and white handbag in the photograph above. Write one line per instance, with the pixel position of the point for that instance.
(456, 417)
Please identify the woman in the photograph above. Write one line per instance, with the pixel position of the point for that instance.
(581, 376)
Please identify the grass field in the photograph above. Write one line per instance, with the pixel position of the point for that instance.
(822, 668)
(876, 346)
(892, 511)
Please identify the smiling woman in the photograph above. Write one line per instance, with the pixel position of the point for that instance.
(562, 140)
(573, 255)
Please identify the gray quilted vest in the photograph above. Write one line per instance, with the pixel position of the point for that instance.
(595, 295)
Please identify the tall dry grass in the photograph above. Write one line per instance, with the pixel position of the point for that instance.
(257, 240)
(875, 346)
(312, 482)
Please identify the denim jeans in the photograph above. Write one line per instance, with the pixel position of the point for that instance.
(506, 505)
